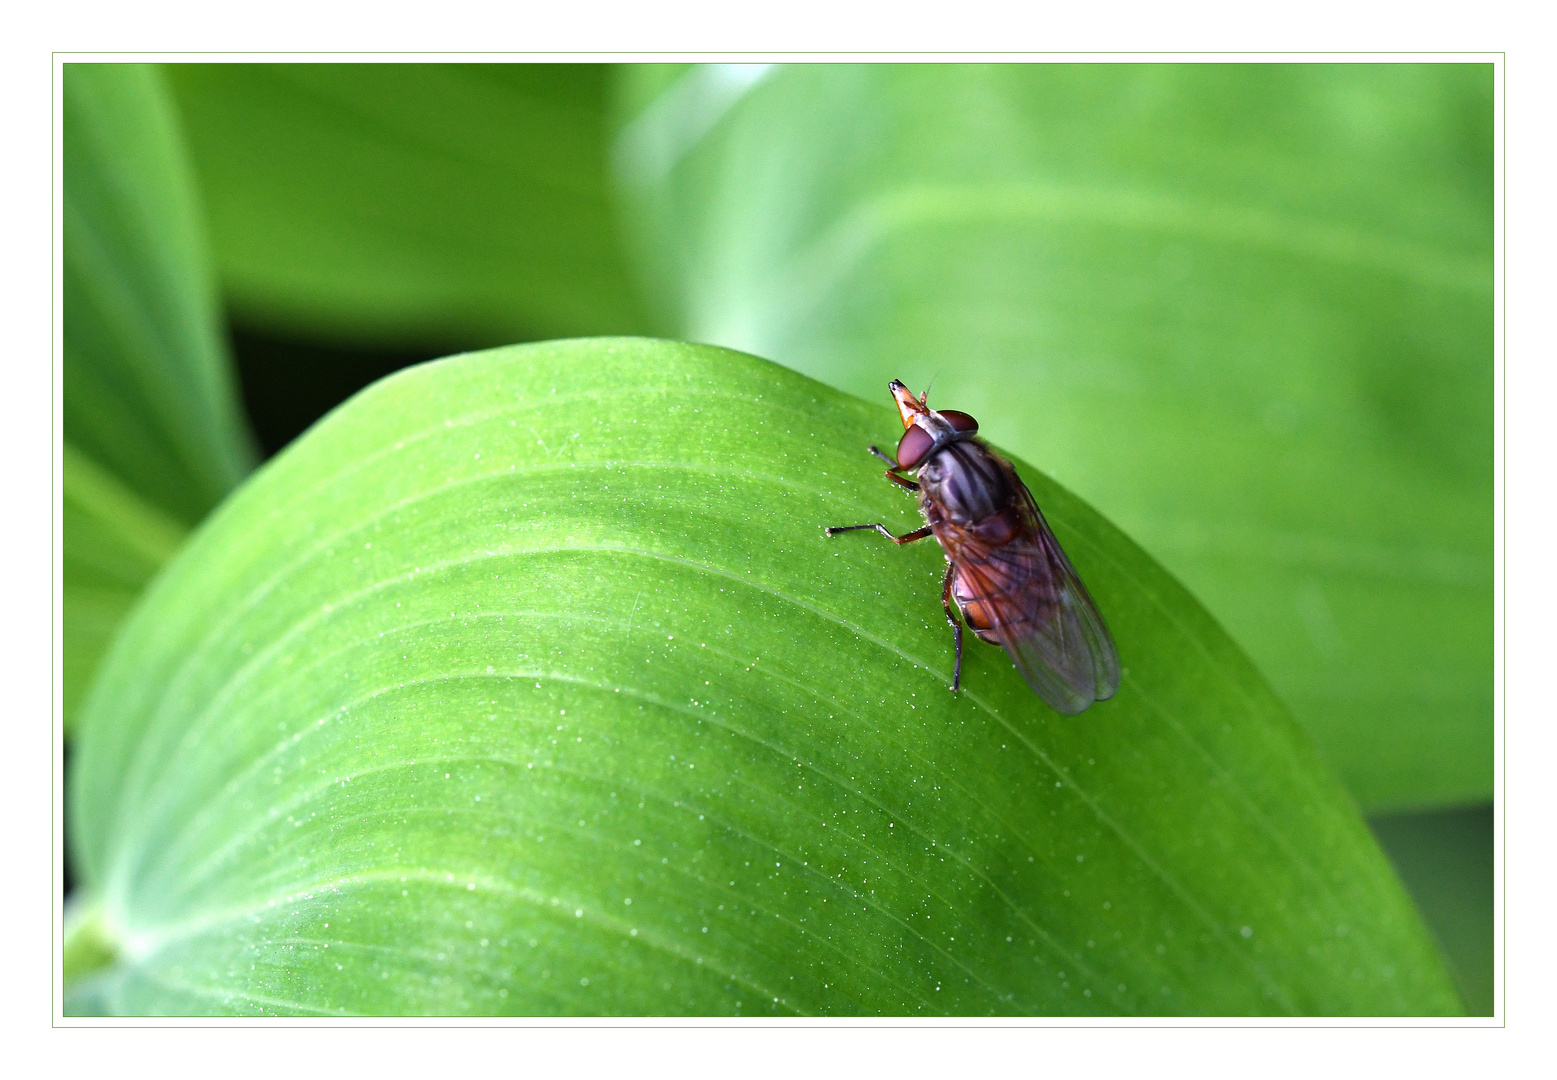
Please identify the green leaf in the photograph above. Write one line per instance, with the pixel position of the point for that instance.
(1245, 310)
(398, 203)
(1446, 859)
(114, 544)
(154, 435)
(527, 682)
(88, 946)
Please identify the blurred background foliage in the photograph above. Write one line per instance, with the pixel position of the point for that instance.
(154, 431)
(1244, 310)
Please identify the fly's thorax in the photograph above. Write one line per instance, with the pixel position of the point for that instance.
(968, 481)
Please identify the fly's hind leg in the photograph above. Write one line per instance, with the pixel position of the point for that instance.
(956, 625)
(906, 538)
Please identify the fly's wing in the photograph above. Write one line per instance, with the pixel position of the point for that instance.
(1042, 614)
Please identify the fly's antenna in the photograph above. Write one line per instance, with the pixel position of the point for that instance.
(924, 398)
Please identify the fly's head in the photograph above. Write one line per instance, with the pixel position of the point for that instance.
(928, 430)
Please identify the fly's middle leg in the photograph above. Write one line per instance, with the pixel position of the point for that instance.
(956, 625)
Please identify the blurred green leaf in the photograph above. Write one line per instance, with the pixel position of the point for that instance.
(1446, 860)
(1244, 309)
(149, 391)
(114, 544)
(405, 203)
(527, 682)
(154, 435)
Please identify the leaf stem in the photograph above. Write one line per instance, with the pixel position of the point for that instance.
(89, 944)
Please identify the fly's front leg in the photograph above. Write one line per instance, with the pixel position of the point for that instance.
(906, 538)
(900, 481)
(946, 592)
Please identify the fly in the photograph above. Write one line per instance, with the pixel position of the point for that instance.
(1012, 584)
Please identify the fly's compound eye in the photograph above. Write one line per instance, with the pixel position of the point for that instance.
(913, 446)
(960, 421)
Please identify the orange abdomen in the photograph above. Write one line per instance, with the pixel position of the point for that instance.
(973, 612)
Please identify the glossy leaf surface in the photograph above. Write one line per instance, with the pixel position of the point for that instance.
(1246, 310)
(527, 682)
